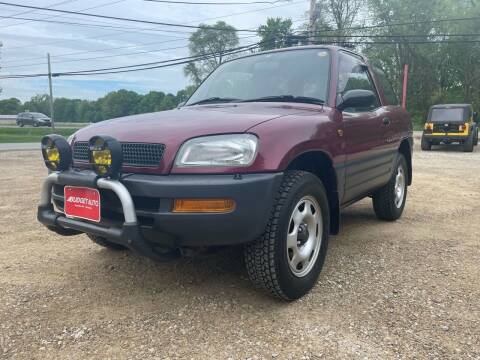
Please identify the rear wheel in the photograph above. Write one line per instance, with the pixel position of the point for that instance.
(426, 145)
(105, 243)
(475, 138)
(35, 124)
(20, 124)
(468, 144)
(287, 259)
(389, 201)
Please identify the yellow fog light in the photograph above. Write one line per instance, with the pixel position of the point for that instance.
(428, 126)
(56, 152)
(106, 156)
(203, 205)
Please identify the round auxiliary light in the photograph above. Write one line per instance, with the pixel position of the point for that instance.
(56, 152)
(106, 155)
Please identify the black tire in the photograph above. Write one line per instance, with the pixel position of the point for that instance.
(20, 124)
(267, 258)
(468, 144)
(384, 203)
(475, 137)
(426, 145)
(35, 124)
(105, 243)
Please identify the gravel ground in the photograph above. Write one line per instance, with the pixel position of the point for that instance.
(408, 289)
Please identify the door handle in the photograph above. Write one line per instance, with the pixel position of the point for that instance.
(386, 121)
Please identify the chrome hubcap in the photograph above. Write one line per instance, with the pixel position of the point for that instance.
(304, 236)
(399, 187)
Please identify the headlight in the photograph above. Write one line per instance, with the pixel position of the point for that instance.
(218, 150)
(56, 152)
(105, 155)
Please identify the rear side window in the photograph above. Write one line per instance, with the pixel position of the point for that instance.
(353, 74)
(388, 90)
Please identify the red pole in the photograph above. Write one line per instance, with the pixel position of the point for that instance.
(405, 82)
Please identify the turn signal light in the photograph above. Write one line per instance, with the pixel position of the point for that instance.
(428, 126)
(462, 127)
(203, 205)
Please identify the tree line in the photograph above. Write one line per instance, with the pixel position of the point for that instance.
(114, 104)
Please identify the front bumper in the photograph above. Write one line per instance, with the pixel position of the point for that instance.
(137, 210)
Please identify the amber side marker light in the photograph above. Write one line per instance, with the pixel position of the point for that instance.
(203, 205)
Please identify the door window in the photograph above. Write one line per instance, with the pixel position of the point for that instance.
(353, 74)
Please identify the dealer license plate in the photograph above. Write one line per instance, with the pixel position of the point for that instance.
(82, 203)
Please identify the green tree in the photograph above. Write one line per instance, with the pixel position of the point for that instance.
(119, 103)
(10, 106)
(213, 41)
(38, 103)
(276, 33)
(150, 102)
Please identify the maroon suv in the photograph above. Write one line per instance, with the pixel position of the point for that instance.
(265, 153)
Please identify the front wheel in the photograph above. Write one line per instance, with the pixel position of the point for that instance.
(287, 259)
(20, 124)
(475, 137)
(35, 124)
(389, 201)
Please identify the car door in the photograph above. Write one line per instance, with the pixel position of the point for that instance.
(369, 157)
(28, 119)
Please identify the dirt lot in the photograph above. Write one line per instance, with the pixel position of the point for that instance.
(408, 289)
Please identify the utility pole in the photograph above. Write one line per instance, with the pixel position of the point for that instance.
(52, 115)
(312, 20)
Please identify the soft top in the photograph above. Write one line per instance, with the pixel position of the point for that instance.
(450, 112)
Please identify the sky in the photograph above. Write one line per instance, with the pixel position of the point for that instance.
(72, 47)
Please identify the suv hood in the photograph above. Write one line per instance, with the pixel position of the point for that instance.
(172, 128)
(175, 126)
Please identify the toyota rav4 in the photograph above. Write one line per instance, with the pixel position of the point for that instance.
(265, 153)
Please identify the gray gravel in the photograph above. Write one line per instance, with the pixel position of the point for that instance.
(402, 290)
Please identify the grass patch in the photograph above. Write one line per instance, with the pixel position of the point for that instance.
(25, 135)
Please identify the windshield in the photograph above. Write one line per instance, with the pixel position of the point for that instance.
(298, 74)
(447, 114)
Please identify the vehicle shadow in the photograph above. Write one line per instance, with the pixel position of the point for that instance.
(218, 272)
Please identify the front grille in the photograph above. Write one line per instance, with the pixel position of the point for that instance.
(134, 154)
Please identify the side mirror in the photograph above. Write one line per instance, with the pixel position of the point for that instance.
(357, 99)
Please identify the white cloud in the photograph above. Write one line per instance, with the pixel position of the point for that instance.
(28, 43)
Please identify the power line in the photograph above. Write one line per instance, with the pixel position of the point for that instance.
(179, 61)
(152, 65)
(48, 6)
(125, 19)
(213, 3)
(141, 30)
(184, 47)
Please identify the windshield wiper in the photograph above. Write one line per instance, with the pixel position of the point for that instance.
(288, 98)
(212, 100)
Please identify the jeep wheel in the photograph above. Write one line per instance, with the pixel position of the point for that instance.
(475, 138)
(287, 259)
(426, 145)
(389, 201)
(468, 144)
(35, 124)
(105, 243)
(20, 124)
